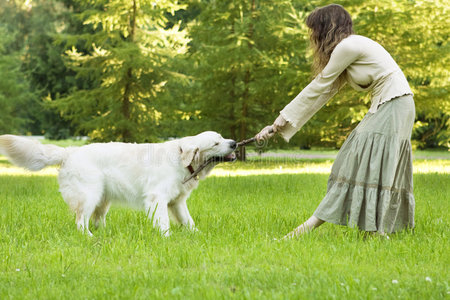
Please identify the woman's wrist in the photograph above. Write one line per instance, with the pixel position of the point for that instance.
(279, 123)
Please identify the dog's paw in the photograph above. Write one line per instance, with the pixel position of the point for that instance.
(193, 230)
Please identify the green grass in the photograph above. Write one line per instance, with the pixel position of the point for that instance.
(234, 255)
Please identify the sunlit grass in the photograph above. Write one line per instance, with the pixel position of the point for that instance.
(269, 166)
(266, 166)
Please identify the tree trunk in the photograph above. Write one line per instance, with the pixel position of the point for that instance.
(125, 132)
(231, 113)
(243, 125)
(245, 97)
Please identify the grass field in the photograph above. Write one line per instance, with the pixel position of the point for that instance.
(239, 210)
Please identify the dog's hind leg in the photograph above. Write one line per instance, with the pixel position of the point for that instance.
(84, 213)
(82, 197)
(100, 212)
(82, 220)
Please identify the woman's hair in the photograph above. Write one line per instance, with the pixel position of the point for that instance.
(329, 25)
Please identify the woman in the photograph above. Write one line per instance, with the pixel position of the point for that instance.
(370, 185)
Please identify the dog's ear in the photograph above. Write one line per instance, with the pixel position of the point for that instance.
(188, 154)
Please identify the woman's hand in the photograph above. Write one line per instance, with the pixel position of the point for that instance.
(266, 133)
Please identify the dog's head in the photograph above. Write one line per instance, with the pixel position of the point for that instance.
(197, 149)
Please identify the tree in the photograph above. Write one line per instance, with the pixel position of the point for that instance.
(43, 65)
(14, 87)
(126, 60)
(245, 64)
(419, 45)
(251, 59)
(35, 61)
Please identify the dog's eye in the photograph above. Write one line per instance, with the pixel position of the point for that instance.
(216, 144)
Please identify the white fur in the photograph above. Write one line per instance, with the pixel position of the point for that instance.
(147, 176)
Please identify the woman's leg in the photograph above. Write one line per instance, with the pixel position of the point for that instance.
(306, 227)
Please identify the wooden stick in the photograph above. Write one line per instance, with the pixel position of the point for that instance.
(202, 166)
(246, 142)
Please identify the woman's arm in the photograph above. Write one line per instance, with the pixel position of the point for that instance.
(319, 91)
(299, 112)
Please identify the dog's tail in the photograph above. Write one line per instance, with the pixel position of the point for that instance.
(30, 154)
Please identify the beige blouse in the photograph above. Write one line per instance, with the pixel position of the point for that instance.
(369, 68)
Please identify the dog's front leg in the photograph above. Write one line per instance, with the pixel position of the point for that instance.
(181, 212)
(156, 208)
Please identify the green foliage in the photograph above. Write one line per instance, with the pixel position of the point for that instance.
(39, 69)
(420, 46)
(44, 67)
(432, 132)
(14, 89)
(169, 68)
(126, 60)
(245, 63)
(270, 42)
(13, 92)
(416, 33)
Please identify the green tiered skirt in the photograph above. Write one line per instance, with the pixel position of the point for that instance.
(371, 181)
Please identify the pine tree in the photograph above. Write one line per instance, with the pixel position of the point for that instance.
(245, 64)
(14, 87)
(126, 60)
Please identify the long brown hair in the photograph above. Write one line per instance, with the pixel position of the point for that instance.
(328, 25)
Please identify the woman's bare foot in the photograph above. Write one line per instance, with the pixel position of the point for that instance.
(300, 230)
(306, 227)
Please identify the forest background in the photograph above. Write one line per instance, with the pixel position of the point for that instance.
(147, 71)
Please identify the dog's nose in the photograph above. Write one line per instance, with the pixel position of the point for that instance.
(233, 145)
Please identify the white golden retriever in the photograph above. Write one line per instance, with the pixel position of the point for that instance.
(148, 176)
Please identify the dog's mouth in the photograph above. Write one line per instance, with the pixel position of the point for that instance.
(227, 158)
(230, 157)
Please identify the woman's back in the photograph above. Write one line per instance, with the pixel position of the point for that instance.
(371, 68)
(371, 63)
